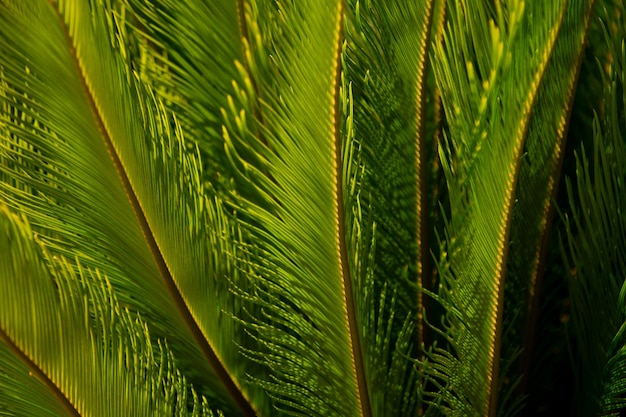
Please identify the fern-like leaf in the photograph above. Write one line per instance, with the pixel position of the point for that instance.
(82, 134)
(67, 338)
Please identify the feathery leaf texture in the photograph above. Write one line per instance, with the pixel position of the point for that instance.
(97, 136)
(488, 128)
(311, 207)
(388, 81)
(538, 175)
(94, 357)
(595, 251)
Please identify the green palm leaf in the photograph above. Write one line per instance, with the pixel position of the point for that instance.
(388, 75)
(538, 176)
(301, 227)
(251, 194)
(65, 335)
(488, 100)
(105, 158)
(595, 252)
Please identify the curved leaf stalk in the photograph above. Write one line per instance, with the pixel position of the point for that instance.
(303, 129)
(348, 291)
(36, 371)
(512, 185)
(387, 46)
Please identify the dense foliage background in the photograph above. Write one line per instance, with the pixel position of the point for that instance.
(312, 207)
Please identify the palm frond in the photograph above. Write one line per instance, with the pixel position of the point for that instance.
(539, 177)
(488, 99)
(67, 338)
(387, 66)
(301, 229)
(192, 53)
(311, 207)
(81, 134)
(596, 254)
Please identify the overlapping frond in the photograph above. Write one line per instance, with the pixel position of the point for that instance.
(387, 66)
(192, 52)
(489, 66)
(539, 177)
(260, 182)
(303, 222)
(94, 161)
(69, 348)
(387, 331)
(596, 253)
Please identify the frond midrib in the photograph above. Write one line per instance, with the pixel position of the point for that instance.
(541, 253)
(358, 362)
(492, 395)
(422, 200)
(40, 373)
(150, 240)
